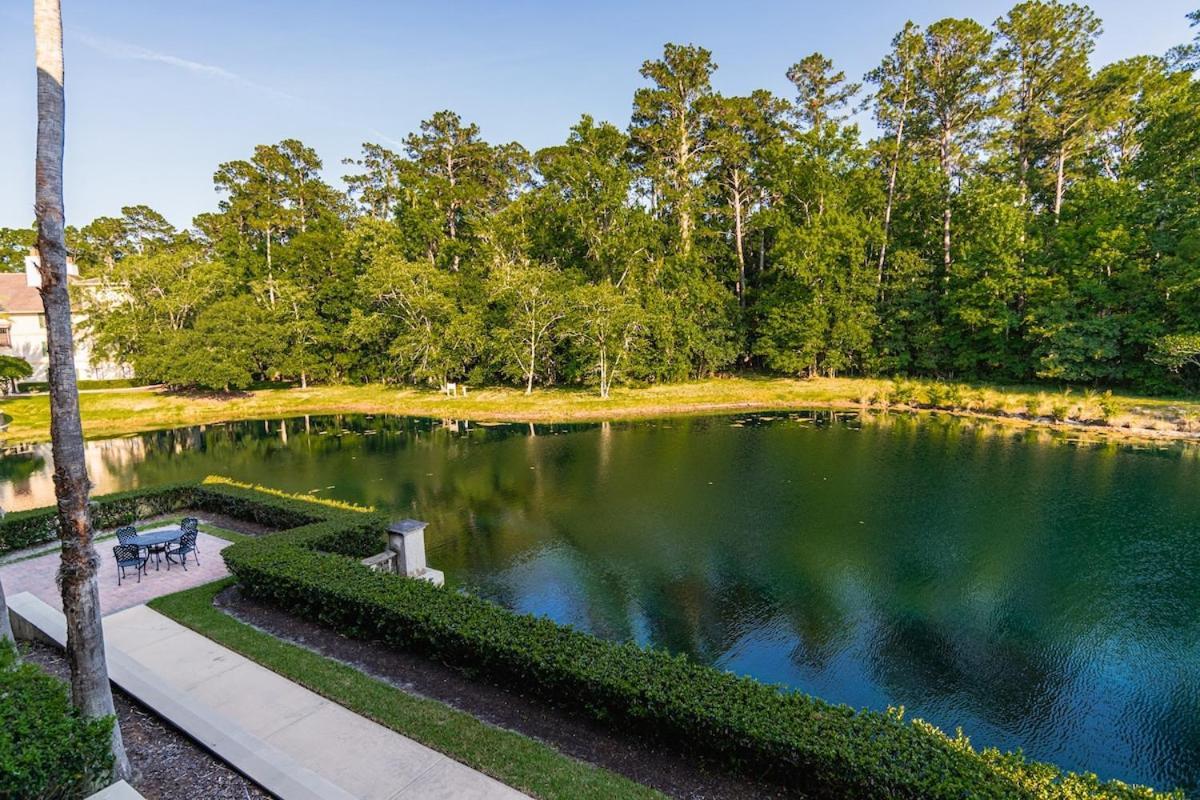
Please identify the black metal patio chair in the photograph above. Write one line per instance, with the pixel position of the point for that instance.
(129, 555)
(187, 544)
(191, 524)
(128, 535)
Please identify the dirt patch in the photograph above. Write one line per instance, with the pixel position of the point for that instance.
(674, 773)
(166, 764)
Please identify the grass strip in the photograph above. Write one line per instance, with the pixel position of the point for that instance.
(510, 757)
(108, 414)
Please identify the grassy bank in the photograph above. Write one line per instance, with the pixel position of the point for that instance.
(118, 413)
(510, 757)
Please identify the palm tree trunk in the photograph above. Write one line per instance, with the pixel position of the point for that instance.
(6, 634)
(90, 690)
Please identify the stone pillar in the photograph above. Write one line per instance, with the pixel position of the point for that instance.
(406, 537)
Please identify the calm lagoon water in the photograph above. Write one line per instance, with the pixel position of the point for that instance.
(1040, 594)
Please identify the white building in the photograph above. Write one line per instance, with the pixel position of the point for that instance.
(23, 322)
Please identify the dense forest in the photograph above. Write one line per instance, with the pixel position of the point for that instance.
(1018, 215)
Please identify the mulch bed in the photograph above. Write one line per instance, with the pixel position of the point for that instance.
(674, 773)
(167, 764)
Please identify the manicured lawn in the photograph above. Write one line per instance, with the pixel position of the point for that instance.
(510, 757)
(123, 412)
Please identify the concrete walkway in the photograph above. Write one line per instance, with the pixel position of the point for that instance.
(291, 741)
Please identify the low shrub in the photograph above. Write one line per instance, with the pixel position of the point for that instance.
(936, 394)
(1108, 407)
(903, 393)
(47, 749)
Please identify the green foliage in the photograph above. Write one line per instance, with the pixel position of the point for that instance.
(1176, 351)
(14, 246)
(13, 368)
(1020, 216)
(48, 750)
(904, 393)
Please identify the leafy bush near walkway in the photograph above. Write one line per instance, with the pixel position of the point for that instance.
(818, 748)
(47, 749)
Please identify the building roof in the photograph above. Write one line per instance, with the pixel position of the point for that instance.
(17, 296)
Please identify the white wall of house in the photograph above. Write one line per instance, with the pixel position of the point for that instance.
(27, 335)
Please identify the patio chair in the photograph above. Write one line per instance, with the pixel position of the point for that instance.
(128, 535)
(129, 555)
(191, 524)
(187, 544)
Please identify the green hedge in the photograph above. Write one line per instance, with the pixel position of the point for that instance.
(47, 749)
(22, 529)
(335, 529)
(819, 749)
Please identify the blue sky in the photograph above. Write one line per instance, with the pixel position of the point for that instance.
(159, 93)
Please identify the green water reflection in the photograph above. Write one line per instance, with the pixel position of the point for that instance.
(1039, 594)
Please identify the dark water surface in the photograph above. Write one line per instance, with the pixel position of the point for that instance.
(1039, 594)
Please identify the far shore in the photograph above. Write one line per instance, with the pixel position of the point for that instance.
(109, 414)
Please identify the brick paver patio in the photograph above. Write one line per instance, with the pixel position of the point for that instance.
(36, 575)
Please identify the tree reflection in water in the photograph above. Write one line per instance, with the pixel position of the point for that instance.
(1037, 591)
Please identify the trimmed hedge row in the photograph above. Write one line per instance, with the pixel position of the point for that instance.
(22, 529)
(351, 531)
(819, 749)
(47, 749)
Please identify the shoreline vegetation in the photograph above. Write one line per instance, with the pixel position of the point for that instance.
(1081, 413)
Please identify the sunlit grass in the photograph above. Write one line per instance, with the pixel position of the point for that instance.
(107, 414)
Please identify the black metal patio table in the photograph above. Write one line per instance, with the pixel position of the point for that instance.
(154, 541)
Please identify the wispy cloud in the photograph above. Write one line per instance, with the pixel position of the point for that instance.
(114, 48)
(124, 50)
(378, 134)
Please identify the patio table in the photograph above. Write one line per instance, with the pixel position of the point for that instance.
(156, 539)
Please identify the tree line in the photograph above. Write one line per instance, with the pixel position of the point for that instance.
(1017, 215)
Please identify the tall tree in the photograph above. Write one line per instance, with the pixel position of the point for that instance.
(90, 690)
(821, 93)
(459, 179)
(954, 97)
(1186, 57)
(742, 127)
(1124, 93)
(670, 118)
(584, 219)
(1043, 63)
(272, 197)
(380, 185)
(895, 81)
